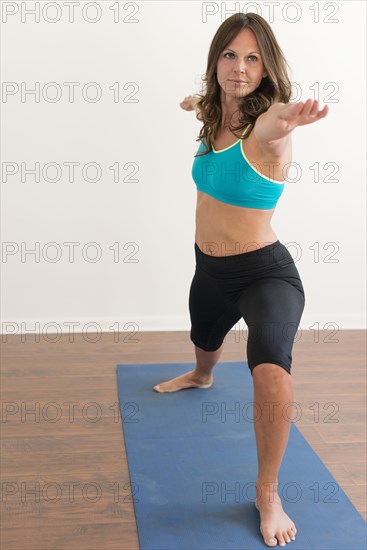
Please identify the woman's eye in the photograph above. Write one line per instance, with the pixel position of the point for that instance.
(230, 53)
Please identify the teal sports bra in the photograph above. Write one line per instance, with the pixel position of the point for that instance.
(228, 176)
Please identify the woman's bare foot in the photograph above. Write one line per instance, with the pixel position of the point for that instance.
(187, 380)
(275, 525)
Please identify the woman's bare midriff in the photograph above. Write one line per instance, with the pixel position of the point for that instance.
(224, 230)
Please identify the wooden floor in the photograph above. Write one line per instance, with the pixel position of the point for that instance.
(49, 447)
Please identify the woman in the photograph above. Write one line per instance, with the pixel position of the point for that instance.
(242, 269)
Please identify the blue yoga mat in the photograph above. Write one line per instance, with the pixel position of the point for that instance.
(193, 464)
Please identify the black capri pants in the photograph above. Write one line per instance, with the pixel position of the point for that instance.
(263, 287)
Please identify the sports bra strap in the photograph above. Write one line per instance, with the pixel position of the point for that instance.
(245, 130)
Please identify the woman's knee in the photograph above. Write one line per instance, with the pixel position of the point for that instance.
(270, 372)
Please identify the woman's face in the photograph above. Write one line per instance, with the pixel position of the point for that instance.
(240, 61)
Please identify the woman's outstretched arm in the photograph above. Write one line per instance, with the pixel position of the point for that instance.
(190, 104)
(272, 129)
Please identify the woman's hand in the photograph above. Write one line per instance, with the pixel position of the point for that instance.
(274, 125)
(291, 115)
(188, 104)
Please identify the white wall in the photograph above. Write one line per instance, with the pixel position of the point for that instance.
(163, 53)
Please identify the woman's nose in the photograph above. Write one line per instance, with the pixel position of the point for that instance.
(240, 67)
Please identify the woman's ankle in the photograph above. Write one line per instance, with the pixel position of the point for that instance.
(202, 374)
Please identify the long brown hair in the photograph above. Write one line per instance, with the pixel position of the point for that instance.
(275, 87)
